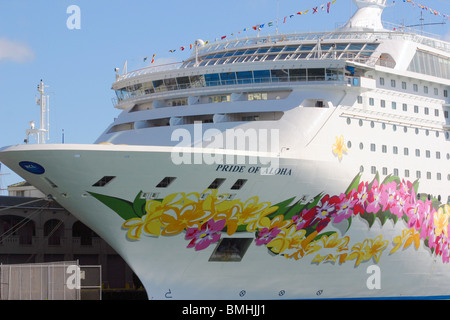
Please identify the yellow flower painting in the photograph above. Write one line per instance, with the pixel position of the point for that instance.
(339, 147)
(293, 229)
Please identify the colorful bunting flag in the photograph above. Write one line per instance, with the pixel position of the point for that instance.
(270, 23)
(430, 10)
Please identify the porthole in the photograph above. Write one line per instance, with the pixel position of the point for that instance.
(405, 129)
(383, 126)
(394, 127)
(372, 124)
(349, 121)
(349, 144)
(417, 130)
(427, 132)
(361, 146)
(360, 123)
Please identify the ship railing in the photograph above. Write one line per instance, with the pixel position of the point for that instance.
(269, 57)
(395, 32)
(399, 119)
(398, 33)
(337, 79)
(260, 58)
(152, 69)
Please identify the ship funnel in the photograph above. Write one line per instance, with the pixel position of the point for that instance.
(367, 17)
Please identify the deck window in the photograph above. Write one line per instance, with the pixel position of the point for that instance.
(238, 184)
(216, 183)
(103, 181)
(231, 250)
(165, 182)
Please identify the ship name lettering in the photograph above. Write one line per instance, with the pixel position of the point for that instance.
(254, 169)
(276, 171)
(230, 168)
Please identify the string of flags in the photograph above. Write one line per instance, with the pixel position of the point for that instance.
(153, 58)
(430, 10)
(314, 10)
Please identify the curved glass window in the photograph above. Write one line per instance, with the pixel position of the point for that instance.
(230, 78)
(212, 79)
(261, 76)
(244, 77)
(430, 64)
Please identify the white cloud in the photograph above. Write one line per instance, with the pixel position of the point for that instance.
(15, 51)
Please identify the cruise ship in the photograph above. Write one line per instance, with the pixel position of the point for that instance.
(289, 166)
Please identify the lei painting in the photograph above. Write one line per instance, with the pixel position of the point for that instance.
(294, 229)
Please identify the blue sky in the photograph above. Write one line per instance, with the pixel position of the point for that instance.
(78, 65)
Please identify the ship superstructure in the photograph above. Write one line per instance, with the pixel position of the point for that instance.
(321, 156)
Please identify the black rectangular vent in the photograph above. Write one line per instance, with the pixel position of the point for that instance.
(231, 249)
(238, 184)
(103, 181)
(165, 182)
(216, 183)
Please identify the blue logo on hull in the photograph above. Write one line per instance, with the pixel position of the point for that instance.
(32, 167)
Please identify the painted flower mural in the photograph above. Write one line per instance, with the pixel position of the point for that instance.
(294, 229)
(339, 147)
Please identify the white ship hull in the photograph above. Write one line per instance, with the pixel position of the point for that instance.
(355, 202)
(336, 262)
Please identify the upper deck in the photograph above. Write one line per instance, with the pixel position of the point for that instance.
(283, 47)
(302, 57)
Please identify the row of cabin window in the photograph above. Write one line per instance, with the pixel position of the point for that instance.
(220, 98)
(395, 150)
(404, 106)
(394, 128)
(384, 171)
(415, 87)
(164, 183)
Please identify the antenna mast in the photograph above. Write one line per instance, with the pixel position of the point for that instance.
(278, 11)
(42, 134)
